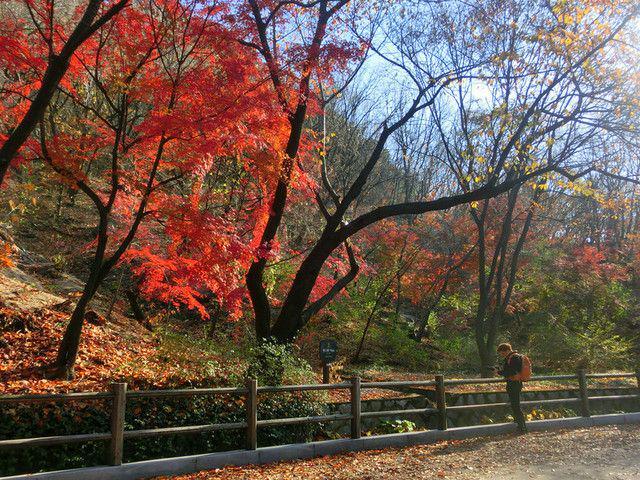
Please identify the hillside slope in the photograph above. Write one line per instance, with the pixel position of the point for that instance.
(32, 322)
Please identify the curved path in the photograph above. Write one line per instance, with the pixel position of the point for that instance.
(611, 453)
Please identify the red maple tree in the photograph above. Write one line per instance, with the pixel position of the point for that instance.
(173, 94)
(38, 55)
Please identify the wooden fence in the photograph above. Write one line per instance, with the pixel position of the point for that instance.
(119, 396)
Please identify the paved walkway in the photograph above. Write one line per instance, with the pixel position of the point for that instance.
(597, 453)
(611, 453)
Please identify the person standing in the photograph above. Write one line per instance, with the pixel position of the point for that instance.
(512, 372)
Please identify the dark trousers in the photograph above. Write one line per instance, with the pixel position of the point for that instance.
(513, 390)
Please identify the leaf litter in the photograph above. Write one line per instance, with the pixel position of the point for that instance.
(609, 452)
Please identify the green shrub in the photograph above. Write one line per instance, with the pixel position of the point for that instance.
(275, 364)
(270, 364)
(51, 419)
(389, 346)
(26, 421)
(395, 426)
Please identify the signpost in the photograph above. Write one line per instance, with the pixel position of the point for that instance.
(328, 354)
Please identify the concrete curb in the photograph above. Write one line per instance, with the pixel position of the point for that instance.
(194, 463)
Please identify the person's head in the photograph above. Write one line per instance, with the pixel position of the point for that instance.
(504, 349)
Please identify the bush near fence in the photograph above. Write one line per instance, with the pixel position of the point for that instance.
(82, 417)
(269, 363)
(134, 424)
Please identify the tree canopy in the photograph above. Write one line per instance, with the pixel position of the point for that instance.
(268, 161)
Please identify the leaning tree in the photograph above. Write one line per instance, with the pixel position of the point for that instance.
(551, 53)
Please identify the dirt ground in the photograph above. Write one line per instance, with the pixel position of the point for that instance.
(23, 291)
(611, 453)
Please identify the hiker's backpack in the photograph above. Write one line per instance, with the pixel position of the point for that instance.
(525, 371)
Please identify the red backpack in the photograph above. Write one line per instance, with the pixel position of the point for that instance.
(525, 371)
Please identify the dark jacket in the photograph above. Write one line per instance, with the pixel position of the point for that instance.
(512, 365)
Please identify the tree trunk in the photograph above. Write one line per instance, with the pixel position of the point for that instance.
(68, 350)
(423, 329)
(290, 319)
(259, 300)
(254, 277)
(486, 352)
(487, 355)
(485, 342)
(138, 314)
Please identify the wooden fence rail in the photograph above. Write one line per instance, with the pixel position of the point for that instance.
(251, 391)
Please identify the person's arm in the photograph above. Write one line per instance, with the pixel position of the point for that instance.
(502, 370)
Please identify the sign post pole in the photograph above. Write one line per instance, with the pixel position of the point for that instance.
(325, 372)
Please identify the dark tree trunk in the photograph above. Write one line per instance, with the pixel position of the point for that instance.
(290, 319)
(138, 314)
(423, 330)
(254, 277)
(500, 280)
(259, 300)
(68, 350)
(54, 73)
(487, 353)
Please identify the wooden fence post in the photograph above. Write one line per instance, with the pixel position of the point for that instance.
(441, 402)
(584, 393)
(356, 408)
(252, 414)
(118, 409)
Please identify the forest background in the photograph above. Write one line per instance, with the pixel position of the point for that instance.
(206, 183)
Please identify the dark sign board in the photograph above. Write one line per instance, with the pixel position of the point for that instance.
(328, 350)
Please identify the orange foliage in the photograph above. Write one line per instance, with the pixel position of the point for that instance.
(5, 255)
